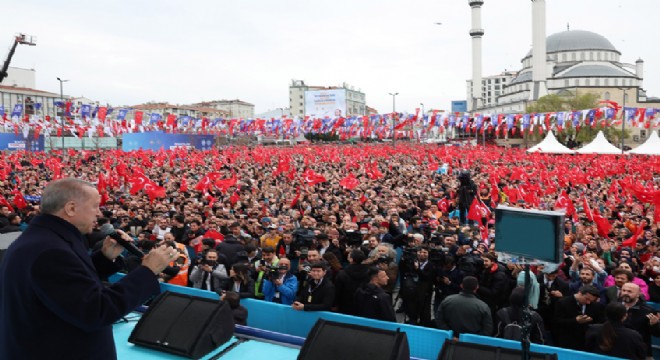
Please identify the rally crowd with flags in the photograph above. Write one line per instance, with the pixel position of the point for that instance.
(233, 212)
(88, 120)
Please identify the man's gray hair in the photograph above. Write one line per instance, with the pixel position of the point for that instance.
(59, 192)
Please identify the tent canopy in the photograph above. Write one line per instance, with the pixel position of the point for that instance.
(599, 145)
(650, 147)
(550, 145)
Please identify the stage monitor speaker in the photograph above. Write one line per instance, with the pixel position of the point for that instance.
(330, 340)
(454, 350)
(184, 325)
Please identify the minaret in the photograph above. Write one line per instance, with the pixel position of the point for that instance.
(639, 70)
(476, 33)
(539, 64)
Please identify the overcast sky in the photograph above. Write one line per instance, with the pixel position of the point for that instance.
(131, 52)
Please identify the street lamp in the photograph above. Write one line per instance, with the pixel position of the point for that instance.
(623, 120)
(63, 107)
(393, 116)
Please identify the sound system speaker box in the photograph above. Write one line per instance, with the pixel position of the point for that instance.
(184, 325)
(329, 340)
(454, 350)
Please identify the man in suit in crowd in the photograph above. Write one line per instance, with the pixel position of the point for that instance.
(573, 314)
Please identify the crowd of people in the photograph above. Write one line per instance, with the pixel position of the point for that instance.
(372, 230)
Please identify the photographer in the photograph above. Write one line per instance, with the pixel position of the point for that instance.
(209, 274)
(417, 275)
(280, 286)
(262, 268)
(318, 293)
(304, 235)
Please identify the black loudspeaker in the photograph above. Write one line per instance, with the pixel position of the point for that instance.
(330, 340)
(184, 325)
(454, 350)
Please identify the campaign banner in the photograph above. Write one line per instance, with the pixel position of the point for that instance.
(325, 103)
(18, 110)
(11, 141)
(155, 140)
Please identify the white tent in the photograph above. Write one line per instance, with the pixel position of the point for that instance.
(650, 147)
(550, 145)
(599, 145)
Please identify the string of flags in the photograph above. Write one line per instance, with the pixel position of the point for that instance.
(106, 121)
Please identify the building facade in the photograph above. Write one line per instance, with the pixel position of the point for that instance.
(235, 109)
(356, 103)
(492, 87)
(35, 102)
(165, 109)
(19, 77)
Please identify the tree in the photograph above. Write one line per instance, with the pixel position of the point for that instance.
(556, 102)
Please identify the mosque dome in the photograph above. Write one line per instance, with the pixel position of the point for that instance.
(574, 40)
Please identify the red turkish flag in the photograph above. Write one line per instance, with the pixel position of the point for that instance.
(313, 178)
(350, 182)
(587, 209)
(138, 118)
(6, 203)
(478, 210)
(19, 200)
(184, 185)
(102, 113)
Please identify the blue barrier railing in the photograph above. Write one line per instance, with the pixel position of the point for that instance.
(425, 343)
(562, 354)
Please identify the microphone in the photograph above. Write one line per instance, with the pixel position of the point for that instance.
(108, 230)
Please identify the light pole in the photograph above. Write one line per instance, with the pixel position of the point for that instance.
(393, 115)
(63, 108)
(623, 121)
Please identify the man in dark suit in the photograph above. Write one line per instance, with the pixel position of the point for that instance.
(612, 293)
(53, 300)
(573, 314)
(552, 288)
(317, 293)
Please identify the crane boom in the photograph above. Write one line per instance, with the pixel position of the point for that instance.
(18, 39)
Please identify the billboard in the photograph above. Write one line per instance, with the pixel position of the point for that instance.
(322, 103)
(459, 106)
(155, 140)
(11, 141)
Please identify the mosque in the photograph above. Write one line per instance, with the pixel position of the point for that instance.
(572, 62)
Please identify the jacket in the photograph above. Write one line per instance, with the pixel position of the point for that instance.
(464, 313)
(494, 286)
(638, 321)
(347, 282)
(373, 302)
(627, 345)
(317, 298)
(230, 248)
(287, 291)
(53, 303)
(568, 332)
(218, 277)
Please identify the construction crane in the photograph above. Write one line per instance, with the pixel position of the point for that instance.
(18, 39)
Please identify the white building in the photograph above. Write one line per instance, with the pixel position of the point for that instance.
(356, 103)
(491, 88)
(274, 114)
(19, 77)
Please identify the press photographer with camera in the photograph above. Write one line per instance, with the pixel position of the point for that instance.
(417, 276)
(262, 267)
(280, 285)
(209, 274)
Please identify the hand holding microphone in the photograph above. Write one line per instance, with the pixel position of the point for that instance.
(157, 259)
